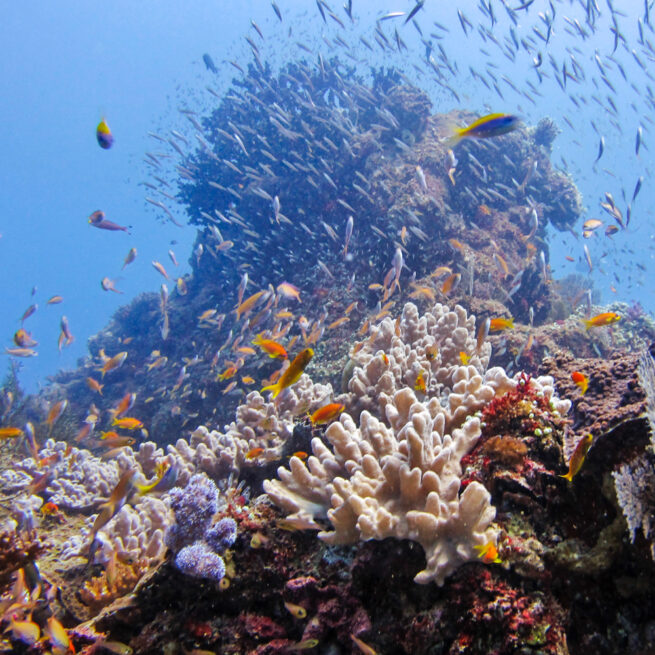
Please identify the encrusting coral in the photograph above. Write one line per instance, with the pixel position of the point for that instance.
(400, 475)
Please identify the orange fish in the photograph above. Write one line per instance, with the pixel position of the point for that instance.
(457, 245)
(228, 373)
(23, 339)
(248, 304)
(94, 385)
(419, 383)
(606, 318)
(254, 453)
(55, 412)
(246, 379)
(273, 348)
(488, 553)
(292, 373)
(113, 363)
(450, 283)
(127, 423)
(578, 457)
(113, 440)
(125, 404)
(431, 352)
(483, 333)
(464, 357)
(117, 499)
(581, 380)
(339, 322)
(300, 454)
(55, 300)
(9, 433)
(49, 460)
(499, 324)
(50, 509)
(326, 413)
(289, 291)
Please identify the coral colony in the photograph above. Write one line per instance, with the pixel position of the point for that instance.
(371, 419)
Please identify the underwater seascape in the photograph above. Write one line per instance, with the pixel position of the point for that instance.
(342, 339)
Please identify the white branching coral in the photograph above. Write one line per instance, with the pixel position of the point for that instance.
(401, 481)
(259, 424)
(398, 351)
(398, 472)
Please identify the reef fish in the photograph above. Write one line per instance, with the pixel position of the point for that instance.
(578, 457)
(499, 324)
(488, 553)
(606, 318)
(104, 136)
(581, 380)
(293, 372)
(113, 363)
(97, 219)
(127, 423)
(116, 500)
(272, 348)
(9, 433)
(326, 413)
(486, 127)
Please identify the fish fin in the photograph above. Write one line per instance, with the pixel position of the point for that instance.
(567, 476)
(273, 388)
(453, 135)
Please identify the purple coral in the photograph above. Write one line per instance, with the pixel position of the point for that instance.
(196, 541)
(199, 561)
(222, 534)
(194, 506)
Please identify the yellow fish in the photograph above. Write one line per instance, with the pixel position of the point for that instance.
(293, 372)
(578, 457)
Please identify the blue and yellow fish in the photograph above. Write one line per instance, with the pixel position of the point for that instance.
(104, 135)
(486, 127)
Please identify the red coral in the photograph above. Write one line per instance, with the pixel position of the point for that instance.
(261, 627)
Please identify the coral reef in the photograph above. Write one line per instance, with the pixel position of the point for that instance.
(258, 424)
(76, 477)
(635, 480)
(16, 552)
(403, 479)
(197, 543)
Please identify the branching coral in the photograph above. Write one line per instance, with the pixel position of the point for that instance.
(258, 424)
(400, 475)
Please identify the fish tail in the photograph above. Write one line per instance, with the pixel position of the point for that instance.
(567, 476)
(588, 324)
(273, 388)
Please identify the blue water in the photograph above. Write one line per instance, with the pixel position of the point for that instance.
(65, 66)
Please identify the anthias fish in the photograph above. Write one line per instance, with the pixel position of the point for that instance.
(578, 457)
(293, 373)
(326, 413)
(581, 380)
(606, 318)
